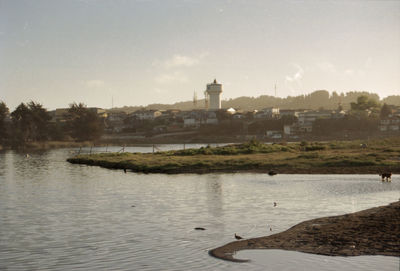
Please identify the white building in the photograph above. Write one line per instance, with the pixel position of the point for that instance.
(268, 113)
(146, 114)
(214, 91)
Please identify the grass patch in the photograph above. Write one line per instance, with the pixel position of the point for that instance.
(253, 155)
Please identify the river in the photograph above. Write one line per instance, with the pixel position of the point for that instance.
(59, 216)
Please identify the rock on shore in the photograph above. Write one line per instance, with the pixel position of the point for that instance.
(374, 231)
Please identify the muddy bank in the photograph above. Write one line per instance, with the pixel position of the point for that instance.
(374, 231)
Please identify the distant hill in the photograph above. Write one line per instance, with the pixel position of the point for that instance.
(315, 100)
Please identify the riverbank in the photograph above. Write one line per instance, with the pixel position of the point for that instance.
(350, 157)
(373, 231)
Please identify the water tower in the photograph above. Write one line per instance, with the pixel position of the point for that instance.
(213, 92)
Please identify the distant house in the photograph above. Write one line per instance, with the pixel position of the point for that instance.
(239, 116)
(291, 130)
(211, 117)
(193, 118)
(267, 113)
(338, 114)
(307, 118)
(190, 122)
(115, 121)
(146, 114)
(169, 114)
(196, 118)
(231, 110)
(274, 134)
(99, 111)
(116, 116)
(288, 112)
(390, 124)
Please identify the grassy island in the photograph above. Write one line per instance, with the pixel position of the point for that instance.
(360, 157)
(373, 231)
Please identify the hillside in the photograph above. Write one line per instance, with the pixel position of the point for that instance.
(315, 100)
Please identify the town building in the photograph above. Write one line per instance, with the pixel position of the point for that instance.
(267, 113)
(213, 95)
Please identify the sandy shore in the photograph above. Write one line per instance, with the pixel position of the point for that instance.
(374, 231)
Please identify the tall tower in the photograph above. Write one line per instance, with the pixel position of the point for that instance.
(214, 91)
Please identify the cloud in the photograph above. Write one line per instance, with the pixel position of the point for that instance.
(174, 77)
(327, 67)
(349, 72)
(179, 61)
(297, 76)
(94, 83)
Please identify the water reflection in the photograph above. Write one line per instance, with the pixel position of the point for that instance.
(214, 195)
(58, 216)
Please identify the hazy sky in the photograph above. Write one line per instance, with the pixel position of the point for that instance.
(141, 52)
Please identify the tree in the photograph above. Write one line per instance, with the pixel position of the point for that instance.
(385, 111)
(83, 123)
(3, 127)
(21, 123)
(30, 122)
(365, 107)
(39, 119)
(364, 103)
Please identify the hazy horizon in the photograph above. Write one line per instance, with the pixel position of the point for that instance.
(145, 52)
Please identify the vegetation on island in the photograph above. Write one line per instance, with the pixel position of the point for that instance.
(374, 156)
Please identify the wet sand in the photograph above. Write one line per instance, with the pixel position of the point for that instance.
(374, 231)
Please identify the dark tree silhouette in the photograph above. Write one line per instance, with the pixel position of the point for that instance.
(385, 111)
(30, 122)
(39, 118)
(21, 123)
(83, 123)
(3, 127)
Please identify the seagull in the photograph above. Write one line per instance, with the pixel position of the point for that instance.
(238, 237)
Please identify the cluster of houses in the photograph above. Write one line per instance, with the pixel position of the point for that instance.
(173, 120)
(391, 123)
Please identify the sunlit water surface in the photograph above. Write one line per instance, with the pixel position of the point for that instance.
(59, 216)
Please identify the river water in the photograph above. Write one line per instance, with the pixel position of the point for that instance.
(59, 216)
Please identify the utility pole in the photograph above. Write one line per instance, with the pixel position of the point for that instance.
(195, 99)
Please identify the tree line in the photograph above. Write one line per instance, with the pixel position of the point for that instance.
(32, 122)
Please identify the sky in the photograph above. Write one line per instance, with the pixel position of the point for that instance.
(139, 52)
